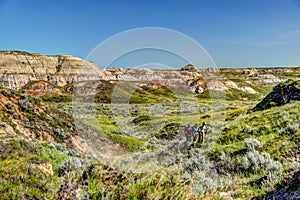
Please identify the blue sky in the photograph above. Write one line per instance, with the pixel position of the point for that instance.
(234, 32)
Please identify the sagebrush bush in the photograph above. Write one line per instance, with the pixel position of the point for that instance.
(273, 171)
(249, 130)
(73, 164)
(152, 143)
(284, 145)
(252, 144)
(9, 105)
(273, 167)
(212, 181)
(62, 147)
(194, 164)
(290, 129)
(60, 133)
(226, 165)
(185, 177)
(254, 162)
(16, 115)
(25, 104)
(3, 124)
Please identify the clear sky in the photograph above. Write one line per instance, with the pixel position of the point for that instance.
(234, 32)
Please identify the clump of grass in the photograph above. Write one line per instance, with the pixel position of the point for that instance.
(141, 119)
(57, 98)
(130, 143)
(290, 129)
(158, 184)
(169, 131)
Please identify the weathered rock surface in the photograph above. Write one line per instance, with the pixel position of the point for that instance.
(41, 88)
(259, 76)
(190, 68)
(30, 120)
(19, 68)
(290, 190)
(283, 93)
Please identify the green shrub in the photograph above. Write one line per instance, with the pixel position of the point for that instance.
(169, 131)
(73, 164)
(56, 98)
(141, 119)
(290, 129)
(131, 143)
(252, 144)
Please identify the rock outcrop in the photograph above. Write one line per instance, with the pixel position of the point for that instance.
(23, 116)
(290, 189)
(259, 76)
(190, 68)
(19, 68)
(40, 88)
(283, 93)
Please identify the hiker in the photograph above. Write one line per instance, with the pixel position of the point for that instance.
(202, 130)
(195, 132)
(188, 132)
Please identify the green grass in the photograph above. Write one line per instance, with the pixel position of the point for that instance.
(56, 98)
(105, 126)
(265, 127)
(274, 119)
(134, 94)
(155, 185)
(19, 175)
(131, 143)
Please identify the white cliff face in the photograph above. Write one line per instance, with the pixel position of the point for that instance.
(17, 69)
(232, 85)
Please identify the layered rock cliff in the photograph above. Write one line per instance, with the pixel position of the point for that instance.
(19, 68)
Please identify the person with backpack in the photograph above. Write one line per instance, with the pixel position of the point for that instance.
(188, 132)
(202, 130)
(195, 133)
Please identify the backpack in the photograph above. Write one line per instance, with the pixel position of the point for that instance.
(195, 130)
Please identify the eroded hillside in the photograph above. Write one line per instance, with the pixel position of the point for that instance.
(67, 132)
(17, 69)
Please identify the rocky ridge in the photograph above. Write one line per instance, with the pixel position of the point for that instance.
(290, 189)
(27, 117)
(19, 68)
(287, 92)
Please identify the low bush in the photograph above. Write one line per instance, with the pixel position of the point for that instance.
(290, 129)
(73, 164)
(252, 144)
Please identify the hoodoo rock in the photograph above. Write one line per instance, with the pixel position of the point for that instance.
(189, 68)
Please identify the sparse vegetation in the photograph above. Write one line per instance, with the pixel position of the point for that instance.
(46, 152)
